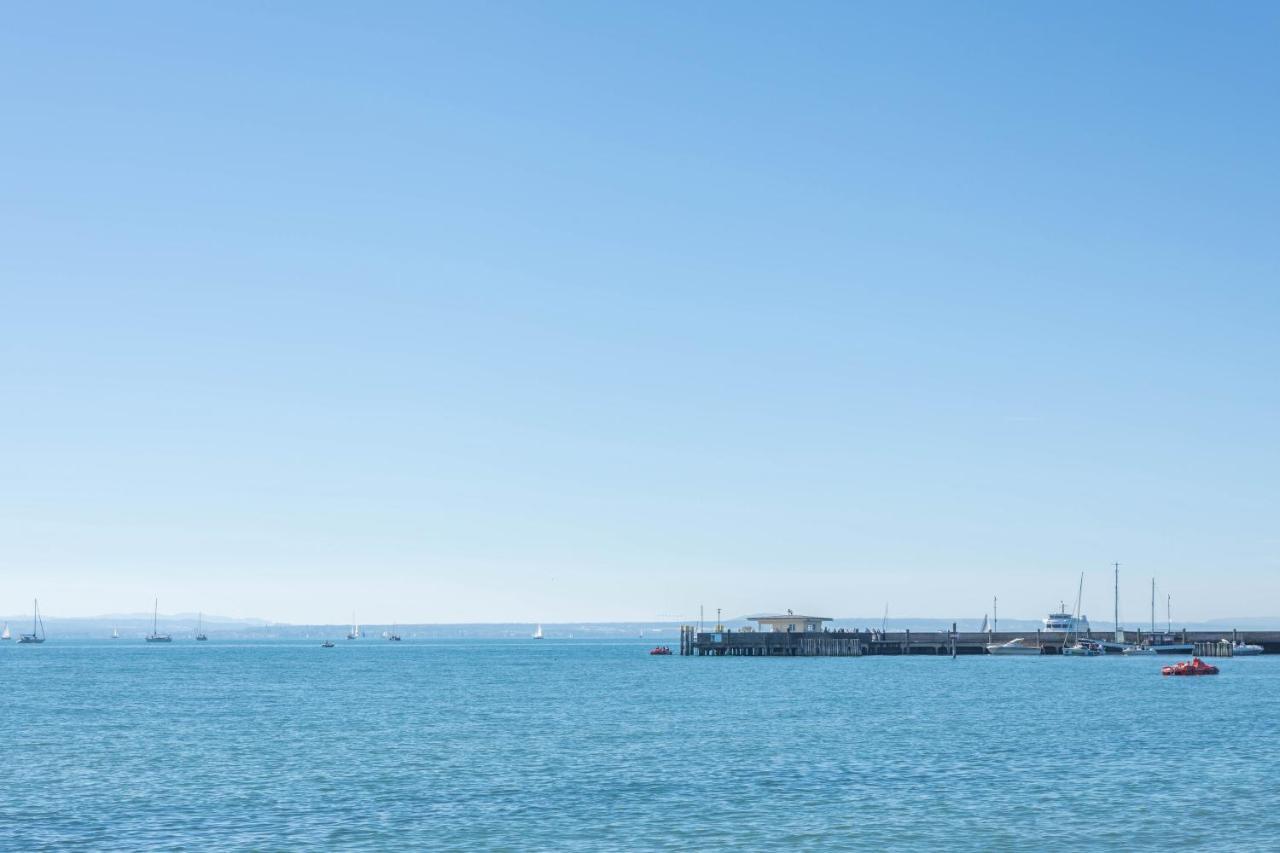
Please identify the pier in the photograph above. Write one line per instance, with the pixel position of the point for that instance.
(828, 642)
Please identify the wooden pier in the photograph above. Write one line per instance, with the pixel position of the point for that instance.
(842, 643)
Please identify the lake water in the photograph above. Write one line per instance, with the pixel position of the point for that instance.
(597, 746)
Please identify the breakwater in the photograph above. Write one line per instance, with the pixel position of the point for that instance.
(946, 641)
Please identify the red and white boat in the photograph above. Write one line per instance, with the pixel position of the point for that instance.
(660, 650)
(1195, 666)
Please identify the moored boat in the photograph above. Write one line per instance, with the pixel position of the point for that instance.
(37, 626)
(155, 636)
(1084, 649)
(660, 650)
(1242, 650)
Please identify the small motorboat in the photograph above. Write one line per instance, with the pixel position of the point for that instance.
(660, 650)
(327, 644)
(1195, 666)
(1140, 650)
(1243, 650)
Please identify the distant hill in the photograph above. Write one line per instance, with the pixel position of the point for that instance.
(183, 625)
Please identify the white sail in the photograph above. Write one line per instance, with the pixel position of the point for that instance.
(115, 634)
(5, 635)
(537, 635)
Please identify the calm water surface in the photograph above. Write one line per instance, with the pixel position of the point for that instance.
(594, 746)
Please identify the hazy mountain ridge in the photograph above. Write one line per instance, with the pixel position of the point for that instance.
(182, 625)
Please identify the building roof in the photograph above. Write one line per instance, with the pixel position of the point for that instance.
(793, 617)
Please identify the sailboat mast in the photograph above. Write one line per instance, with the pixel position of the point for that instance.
(1153, 605)
(155, 616)
(995, 615)
(1116, 624)
(1168, 612)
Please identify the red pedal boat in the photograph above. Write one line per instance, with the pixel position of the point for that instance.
(1195, 666)
(660, 650)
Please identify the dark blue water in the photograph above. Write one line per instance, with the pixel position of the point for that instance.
(578, 745)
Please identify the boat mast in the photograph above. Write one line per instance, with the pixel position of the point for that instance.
(1079, 606)
(1153, 605)
(1168, 613)
(1116, 624)
(995, 615)
(155, 616)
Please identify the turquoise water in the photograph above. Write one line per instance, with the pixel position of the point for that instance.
(594, 746)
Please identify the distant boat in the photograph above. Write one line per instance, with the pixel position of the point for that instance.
(354, 633)
(537, 635)
(5, 635)
(327, 644)
(155, 636)
(1241, 650)
(37, 626)
(392, 635)
(1063, 622)
(200, 634)
(1013, 647)
(1140, 650)
(115, 635)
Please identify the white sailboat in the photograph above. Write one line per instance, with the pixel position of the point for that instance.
(537, 635)
(1162, 645)
(155, 636)
(354, 633)
(5, 635)
(200, 634)
(115, 634)
(1081, 647)
(37, 626)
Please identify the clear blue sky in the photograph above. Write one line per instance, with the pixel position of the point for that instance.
(550, 311)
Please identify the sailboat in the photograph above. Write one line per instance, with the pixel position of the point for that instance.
(5, 635)
(37, 626)
(1116, 645)
(354, 634)
(115, 634)
(393, 636)
(200, 634)
(537, 635)
(1161, 645)
(155, 636)
(1081, 647)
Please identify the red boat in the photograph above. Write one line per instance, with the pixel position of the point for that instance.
(1195, 666)
(660, 650)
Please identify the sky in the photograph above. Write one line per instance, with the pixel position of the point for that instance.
(565, 311)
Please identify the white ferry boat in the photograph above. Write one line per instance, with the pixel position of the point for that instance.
(1063, 622)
